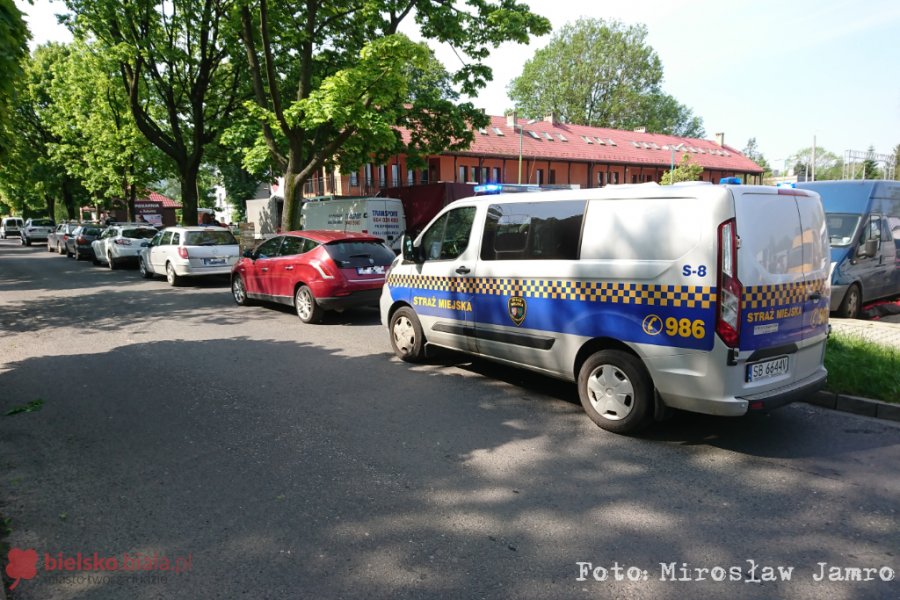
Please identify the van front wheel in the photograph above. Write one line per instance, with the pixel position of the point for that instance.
(616, 391)
(407, 337)
(850, 305)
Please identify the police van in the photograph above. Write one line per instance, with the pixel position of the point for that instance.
(706, 298)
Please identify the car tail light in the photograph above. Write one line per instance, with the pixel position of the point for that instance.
(81, 240)
(182, 252)
(322, 268)
(728, 300)
(65, 236)
(123, 242)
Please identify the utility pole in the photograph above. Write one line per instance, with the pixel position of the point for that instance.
(814, 159)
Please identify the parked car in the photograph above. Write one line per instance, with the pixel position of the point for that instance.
(179, 252)
(313, 271)
(120, 243)
(56, 240)
(78, 245)
(10, 226)
(36, 230)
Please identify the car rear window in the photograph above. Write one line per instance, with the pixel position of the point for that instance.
(141, 233)
(91, 231)
(359, 254)
(42, 222)
(209, 238)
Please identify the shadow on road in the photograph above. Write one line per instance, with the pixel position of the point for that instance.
(286, 469)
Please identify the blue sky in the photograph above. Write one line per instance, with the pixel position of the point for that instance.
(780, 71)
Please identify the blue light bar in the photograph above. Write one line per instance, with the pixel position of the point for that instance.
(730, 180)
(488, 188)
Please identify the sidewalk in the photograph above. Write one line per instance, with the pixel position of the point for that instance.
(879, 332)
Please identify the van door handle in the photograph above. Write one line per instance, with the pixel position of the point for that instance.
(815, 296)
(463, 270)
(264, 269)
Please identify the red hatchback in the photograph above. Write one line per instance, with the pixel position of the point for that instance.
(313, 271)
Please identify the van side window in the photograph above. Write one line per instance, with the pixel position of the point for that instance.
(875, 229)
(449, 236)
(533, 231)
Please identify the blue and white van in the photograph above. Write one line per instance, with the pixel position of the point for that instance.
(863, 219)
(707, 298)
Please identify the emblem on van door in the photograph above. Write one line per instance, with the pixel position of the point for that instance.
(516, 308)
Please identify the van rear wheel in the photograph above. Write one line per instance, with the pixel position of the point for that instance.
(851, 304)
(616, 392)
(407, 337)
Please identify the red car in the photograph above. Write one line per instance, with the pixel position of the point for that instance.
(313, 271)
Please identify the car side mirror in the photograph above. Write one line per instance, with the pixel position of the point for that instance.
(411, 252)
(248, 254)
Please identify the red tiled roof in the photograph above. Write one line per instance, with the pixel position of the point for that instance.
(164, 200)
(618, 146)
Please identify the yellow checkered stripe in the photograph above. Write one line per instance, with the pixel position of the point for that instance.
(564, 289)
(767, 296)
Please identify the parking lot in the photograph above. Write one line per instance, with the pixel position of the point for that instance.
(283, 460)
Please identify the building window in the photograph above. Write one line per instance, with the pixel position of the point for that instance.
(463, 174)
(354, 178)
(600, 179)
(495, 177)
(395, 175)
(424, 175)
(485, 174)
(615, 177)
(552, 179)
(634, 178)
(382, 176)
(369, 174)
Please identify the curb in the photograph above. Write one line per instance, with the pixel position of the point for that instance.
(856, 405)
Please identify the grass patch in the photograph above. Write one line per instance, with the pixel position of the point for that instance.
(861, 368)
(33, 406)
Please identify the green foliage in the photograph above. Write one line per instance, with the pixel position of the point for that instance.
(601, 73)
(687, 170)
(180, 69)
(828, 164)
(333, 83)
(862, 368)
(751, 151)
(871, 168)
(13, 50)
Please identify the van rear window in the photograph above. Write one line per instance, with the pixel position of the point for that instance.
(532, 231)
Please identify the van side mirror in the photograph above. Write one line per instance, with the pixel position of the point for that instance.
(867, 249)
(410, 252)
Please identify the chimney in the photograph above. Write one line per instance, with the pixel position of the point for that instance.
(720, 139)
(511, 119)
(552, 119)
(640, 130)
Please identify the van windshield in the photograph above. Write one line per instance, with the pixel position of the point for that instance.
(842, 228)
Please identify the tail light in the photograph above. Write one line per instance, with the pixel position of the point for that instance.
(182, 252)
(65, 236)
(728, 300)
(81, 240)
(123, 242)
(323, 268)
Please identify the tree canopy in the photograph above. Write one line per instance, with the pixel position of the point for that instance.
(334, 80)
(601, 73)
(14, 38)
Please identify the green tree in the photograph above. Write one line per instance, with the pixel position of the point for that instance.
(871, 170)
(334, 80)
(179, 71)
(98, 140)
(13, 50)
(31, 178)
(751, 151)
(687, 170)
(601, 73)
(828, 164)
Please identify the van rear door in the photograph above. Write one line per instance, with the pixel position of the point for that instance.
(783, 268)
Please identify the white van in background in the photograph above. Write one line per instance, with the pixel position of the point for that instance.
(707, 298)
(381, 217)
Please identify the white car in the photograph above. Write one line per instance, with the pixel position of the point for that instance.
(179, 252)
(10, 226)
(36, 230)
(121, 243)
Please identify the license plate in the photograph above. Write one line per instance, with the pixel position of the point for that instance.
(213, 261)
(370, 270)
(767, 369)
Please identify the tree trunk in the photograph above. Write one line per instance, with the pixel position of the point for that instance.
(189, 196)
(50, 201)
(69, 200)
(129, 206)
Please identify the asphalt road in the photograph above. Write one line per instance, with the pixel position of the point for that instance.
(269, 459)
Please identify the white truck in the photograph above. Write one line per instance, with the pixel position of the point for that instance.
(381, 217)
